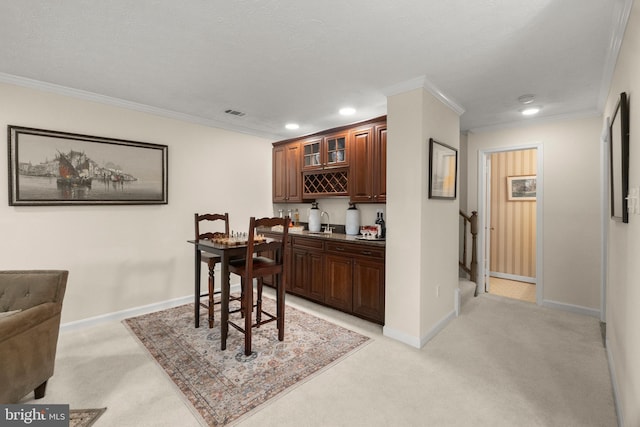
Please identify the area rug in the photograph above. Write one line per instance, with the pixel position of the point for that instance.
(84, 417)
(223, 386)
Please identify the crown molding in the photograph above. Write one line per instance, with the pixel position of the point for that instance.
(422, 83)
(130, 105)
(621, 12)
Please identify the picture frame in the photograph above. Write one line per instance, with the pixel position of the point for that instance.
(619, 159)
(48, 167)
(443, 170)
(521, 188)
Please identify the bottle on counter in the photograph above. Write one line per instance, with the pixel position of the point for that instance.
(296, 217)
(381, 225)
(352, 226)
(314, 217)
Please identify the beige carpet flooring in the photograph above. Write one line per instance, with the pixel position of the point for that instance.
(541, 367)
(512, 289)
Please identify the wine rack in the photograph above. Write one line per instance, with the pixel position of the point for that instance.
(330, 182)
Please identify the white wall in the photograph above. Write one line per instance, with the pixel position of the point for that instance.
(121, 257)
(623, 283)
(422, 244)
(571, 202)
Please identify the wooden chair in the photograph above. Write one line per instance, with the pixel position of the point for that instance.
(266, 258)
(211, 261)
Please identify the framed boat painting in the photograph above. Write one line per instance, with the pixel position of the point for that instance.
(58, 168)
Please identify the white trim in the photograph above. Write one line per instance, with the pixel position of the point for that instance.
(592, 312)
(622, 10)
(614, 384)
(437, 328)
(129, 312)
(401, 336)
(415, 341)
(457, 296)
(422, 83)
(512, 277)
(121, 103)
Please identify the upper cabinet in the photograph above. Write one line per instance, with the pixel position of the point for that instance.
(368, 171)
(328, 151)
(287, 174)
(347, 161)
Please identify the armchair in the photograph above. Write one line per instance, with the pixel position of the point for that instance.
(30, 309)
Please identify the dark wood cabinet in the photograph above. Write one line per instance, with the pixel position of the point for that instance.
(307, 268)
(326, 151)
(355, 279)
(368, 169)
(287, 173)
(338, 291)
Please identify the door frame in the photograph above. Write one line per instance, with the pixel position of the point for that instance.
(483, 191)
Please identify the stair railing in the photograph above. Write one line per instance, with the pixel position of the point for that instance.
(472, 268)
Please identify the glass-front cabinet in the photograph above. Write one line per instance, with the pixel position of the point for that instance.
(326, 152)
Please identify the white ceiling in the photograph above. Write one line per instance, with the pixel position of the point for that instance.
(283, 61)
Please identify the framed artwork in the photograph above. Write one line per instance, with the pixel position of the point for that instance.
(58, 168)
(521, 188)
(443, 170)
(619, 156)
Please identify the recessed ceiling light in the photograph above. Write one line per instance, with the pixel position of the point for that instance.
(347, 111)
(530, 111)
(292, 126)
(526, 99)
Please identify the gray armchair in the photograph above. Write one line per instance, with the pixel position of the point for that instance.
(30, 308)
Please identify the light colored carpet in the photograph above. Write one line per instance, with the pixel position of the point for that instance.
(512, 289)
(540, 368)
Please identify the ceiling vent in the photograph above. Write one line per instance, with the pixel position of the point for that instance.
(234, 112)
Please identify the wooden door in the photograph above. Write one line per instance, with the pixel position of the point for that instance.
(361, 170)
(380, 177)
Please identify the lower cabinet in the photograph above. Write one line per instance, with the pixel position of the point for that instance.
(307, 269)
(355, 279)
(346, 276)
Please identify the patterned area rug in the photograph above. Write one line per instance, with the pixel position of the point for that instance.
(84, 417)
(225, 385)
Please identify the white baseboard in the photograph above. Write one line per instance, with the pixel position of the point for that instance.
(593, 312)
(614, 384)
(416, 341)
(129, 312)
(456, 301)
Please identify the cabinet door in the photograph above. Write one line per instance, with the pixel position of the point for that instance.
(279, 189)
(287, 175)
(315, 276)
(368, 289)
(312, 155)
(298, 282)
(380, 164)
(338, 282)
(361, 168)
(294, 173)
(335, 150)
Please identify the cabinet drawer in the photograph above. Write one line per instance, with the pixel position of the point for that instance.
(355, 250)
(301, 242)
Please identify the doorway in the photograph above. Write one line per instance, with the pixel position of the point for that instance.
(510, 188)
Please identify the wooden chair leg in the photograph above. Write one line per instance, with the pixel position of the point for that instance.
(259, 302)
(242, 284)
(211, 300)
(280, 308)
(39, 391)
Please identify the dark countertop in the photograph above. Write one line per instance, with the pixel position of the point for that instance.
(329, 236)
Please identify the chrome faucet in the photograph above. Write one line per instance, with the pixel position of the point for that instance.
(327, 229)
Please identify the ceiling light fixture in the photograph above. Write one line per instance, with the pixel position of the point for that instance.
(530, 111)
(292, 126)
(526, 99)
(347, 111)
